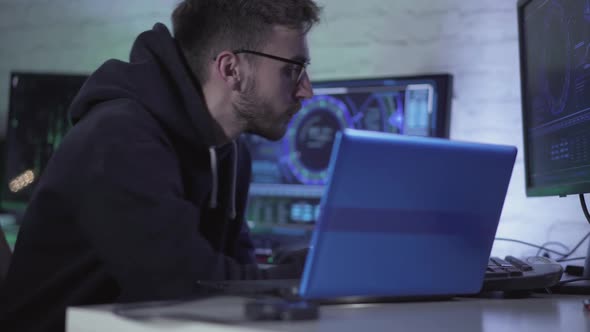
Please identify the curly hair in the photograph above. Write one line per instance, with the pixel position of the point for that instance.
(204, 28)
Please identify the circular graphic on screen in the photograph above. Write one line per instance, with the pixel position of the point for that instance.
(310, 136)
(555, 59)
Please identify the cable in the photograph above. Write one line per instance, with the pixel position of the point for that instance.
(533, 245)
(584, 207)
(544, 245)
(577, 246)
(571, 259)
(563, 256)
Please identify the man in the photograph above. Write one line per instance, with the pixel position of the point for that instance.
(146, 194)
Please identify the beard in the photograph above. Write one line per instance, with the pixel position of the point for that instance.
(259, 116)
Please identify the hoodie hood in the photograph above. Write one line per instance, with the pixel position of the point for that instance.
(158, 78)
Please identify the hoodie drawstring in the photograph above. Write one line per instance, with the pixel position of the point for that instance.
(215, 180)
(213, 158)
(232, 211)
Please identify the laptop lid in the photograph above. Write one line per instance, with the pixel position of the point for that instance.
(406, 216)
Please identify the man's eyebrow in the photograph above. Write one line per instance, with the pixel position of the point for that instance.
(301, 58)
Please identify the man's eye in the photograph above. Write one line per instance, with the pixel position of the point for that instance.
(292, 71)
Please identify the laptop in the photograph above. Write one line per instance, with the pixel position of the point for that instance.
(402, 216)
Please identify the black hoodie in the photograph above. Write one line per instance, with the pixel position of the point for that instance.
(135, 204)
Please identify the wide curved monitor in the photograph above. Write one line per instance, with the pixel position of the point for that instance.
(288, 176)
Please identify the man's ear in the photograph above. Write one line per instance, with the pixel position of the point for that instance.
(227, 67)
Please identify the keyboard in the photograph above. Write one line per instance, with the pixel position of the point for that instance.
(509, 274)
(268, 245)
(512, 274)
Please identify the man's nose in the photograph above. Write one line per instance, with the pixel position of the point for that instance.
(304, 89)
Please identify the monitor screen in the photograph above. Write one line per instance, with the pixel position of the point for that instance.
(37, 121)
(555, 81)
(288, 176)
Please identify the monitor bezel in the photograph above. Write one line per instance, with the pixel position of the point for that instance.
(536, 190)
(444, 83)
(7, 204)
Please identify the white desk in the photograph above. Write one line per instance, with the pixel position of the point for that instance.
(541, 313)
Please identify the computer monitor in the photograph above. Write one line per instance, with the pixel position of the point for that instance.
(288, 176)
(554, 38)
(37, 121)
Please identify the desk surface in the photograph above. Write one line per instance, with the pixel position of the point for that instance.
(539, 313)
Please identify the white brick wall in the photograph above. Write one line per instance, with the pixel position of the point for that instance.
(476, 41)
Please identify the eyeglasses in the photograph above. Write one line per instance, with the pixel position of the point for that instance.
(296, 74)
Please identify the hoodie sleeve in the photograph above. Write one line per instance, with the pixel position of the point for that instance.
(245, 247)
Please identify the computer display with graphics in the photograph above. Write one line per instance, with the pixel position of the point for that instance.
(37, 121)
(554, 40)
(289, 175)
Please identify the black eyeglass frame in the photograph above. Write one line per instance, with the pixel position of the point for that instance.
(301, 64)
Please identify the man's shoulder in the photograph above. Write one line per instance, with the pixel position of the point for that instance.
(121, 112)
(119, 118)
